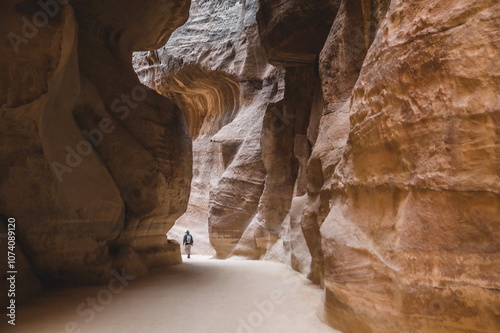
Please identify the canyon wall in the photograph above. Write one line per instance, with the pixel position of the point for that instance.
(95, 166)
(403, 196)
(365, 154)
(410, 242)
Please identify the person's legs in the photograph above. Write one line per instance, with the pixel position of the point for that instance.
(188, 250)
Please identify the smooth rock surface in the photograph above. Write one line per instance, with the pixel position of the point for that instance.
(95, 166)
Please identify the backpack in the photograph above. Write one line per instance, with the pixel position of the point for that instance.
(189, 239)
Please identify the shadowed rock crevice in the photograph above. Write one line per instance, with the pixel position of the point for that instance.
(293, 32)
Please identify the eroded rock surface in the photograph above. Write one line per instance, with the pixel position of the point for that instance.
(96, 167)
(403, 198)
(215, 69)
(293, 32)
(411, 238)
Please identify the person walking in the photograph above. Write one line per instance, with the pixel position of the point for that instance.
(188, 242)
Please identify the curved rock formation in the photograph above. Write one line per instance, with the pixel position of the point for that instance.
(214, 68)
(96, 167)
(293, 32)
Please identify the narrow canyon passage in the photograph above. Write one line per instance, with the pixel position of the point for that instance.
(350, 149)
(202, 295)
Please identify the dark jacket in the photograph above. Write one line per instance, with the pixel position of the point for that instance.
(185, 242)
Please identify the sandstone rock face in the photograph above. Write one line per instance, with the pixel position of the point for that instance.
(403, 179)
(95, 166)
(411, 238)
(251, 138)
(214, 68)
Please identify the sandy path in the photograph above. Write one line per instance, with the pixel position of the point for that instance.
(202, 295)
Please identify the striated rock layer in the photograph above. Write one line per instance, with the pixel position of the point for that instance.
(95, 166)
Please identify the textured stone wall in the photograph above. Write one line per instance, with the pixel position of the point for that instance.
(402, 207)
(411, 238)
(214, 67)
(95, 166)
